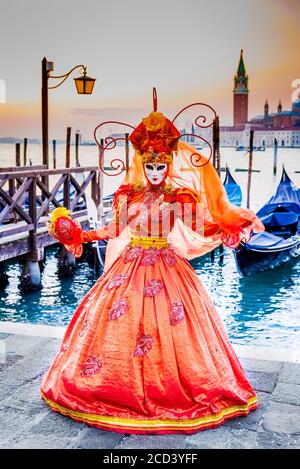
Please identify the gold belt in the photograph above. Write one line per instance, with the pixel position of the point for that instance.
(149, 242)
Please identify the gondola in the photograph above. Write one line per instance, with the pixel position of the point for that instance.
(101, 245)
(233, 190)
(258, 148)
(280, 242)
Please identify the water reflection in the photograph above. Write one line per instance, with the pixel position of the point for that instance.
(55, 303)
(261, 309)
(258, 310)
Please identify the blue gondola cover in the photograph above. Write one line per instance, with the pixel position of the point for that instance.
(233, 190)
(265, 241)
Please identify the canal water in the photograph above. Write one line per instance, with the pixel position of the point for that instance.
(262, 309)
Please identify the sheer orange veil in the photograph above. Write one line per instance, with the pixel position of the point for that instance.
(221, 222)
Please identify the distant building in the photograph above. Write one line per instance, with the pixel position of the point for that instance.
(282, 125)
(240, 96)
(262, 137)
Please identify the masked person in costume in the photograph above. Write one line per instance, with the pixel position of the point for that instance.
(146, 351)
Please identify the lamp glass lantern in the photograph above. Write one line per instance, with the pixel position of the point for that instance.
(84, 84)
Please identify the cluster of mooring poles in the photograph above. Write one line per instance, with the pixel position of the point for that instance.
(27, 194)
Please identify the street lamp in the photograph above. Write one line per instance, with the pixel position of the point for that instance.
(84, 85)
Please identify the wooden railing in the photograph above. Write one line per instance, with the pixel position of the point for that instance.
(25, 199)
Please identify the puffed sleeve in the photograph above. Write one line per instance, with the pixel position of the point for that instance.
(106, 232)
(236, 224)
(121, 217)
(68, 231)
(212, 215)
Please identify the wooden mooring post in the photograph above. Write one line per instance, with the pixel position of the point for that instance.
(250, 167)
(18, 154)
(216, 145)
(68, 148)
(54, 153)
(217, 166)
(275, 157)
(3, 276)
(18, 160)
(66, 260)
(25, 152)
(31, 273)
(77, 141)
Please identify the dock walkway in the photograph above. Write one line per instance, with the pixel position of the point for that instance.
(27, 422)
(27, 196)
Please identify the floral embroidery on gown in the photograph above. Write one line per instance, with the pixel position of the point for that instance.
(146, 351)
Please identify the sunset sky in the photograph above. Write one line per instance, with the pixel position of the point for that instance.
(188, 49)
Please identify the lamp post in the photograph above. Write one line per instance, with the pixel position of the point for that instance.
(84, 85)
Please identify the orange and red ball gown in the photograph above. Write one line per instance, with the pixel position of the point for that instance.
(146, 351)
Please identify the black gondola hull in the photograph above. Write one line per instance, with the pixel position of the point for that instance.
(280, 242)
(252, 262)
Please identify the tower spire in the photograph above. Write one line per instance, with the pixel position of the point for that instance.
(266, 108)
(241, 71)
(240, 93)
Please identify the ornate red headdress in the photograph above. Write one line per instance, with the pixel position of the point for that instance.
(155, 139)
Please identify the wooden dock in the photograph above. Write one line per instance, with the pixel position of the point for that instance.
(27, 195)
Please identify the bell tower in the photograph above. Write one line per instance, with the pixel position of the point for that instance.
(240, 95)
(266, 109)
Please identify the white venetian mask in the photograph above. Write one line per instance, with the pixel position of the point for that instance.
(155, 172)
